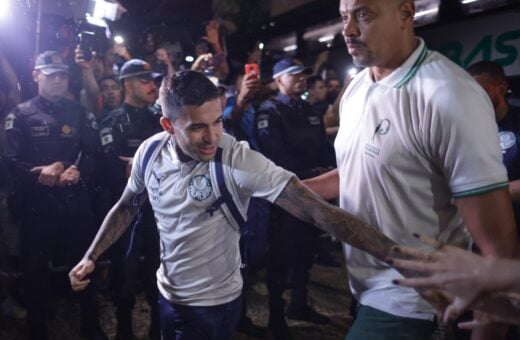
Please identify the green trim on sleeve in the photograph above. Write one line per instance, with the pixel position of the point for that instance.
(482, 190)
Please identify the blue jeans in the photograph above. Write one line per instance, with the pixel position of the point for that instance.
(180, 322)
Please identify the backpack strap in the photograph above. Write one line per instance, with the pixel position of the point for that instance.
(225, 196)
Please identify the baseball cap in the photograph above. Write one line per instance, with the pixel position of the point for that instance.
(50, 62)
(138, 68)
(289, 65)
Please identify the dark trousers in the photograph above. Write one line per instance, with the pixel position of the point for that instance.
(61, 239)
(139, 240)
(199, 323)
(292, 248)
(374, 324)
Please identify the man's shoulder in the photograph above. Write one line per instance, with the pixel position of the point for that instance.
(26, 108)
(269, 105)
(110, 118)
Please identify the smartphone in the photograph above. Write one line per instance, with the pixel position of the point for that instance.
(252, 69)
(86, 40)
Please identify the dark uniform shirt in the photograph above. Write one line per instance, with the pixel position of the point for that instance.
(509, 137)
(292, 135)
(39, 133)
(121, 132)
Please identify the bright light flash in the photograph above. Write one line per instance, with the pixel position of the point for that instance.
(119, 39)
(468, 1)
(290, 48)
(326, 38)
(4, 8)
(261, 46)
(352, 71)
(426, 12)
(189, 59)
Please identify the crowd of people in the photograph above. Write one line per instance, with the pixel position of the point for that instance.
(186, 180)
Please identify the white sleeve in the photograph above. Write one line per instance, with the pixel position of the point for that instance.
(463, 137)
(257, 176)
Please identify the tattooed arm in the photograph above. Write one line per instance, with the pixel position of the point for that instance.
(114, 225)
(304, 204)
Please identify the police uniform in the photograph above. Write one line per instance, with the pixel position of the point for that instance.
(121, 132)
(55, 220)
(293, 136)
(509, 137)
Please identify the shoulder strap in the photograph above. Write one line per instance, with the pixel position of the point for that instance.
(225, 196)
(148, 154)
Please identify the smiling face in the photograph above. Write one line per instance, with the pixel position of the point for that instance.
(198, 130)
(377, 31)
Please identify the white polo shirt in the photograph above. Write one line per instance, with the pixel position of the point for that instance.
(406, 146)
(200, 259)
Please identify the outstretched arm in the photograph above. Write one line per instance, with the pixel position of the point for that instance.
(306, 205)
(114, 225)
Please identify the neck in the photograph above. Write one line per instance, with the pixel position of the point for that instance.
(51, 99)
(135, 102)
(180, 154)
(501, 111)
(382, 71)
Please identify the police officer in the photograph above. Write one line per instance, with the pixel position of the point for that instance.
(51, 151)
(122, 131)
(292, 135)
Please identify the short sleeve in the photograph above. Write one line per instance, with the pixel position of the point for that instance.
(257, 176)
(463, 138)
(136, 180)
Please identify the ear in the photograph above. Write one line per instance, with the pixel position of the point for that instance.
(503, 88)
(407, 10)
(167, 125)
(35, 76)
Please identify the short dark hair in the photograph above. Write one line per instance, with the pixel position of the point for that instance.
(487, 67)
(186, 87)
(312, 80)
(102, 79)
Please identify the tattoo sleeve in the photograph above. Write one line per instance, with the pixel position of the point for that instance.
(304, 204)
(301, 202)
(115, 223)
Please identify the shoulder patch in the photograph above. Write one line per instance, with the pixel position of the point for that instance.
(9, 121)
(92, 120)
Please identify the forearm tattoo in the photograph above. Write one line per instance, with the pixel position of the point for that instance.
(114, 225)
(301, 202)
(304, 204)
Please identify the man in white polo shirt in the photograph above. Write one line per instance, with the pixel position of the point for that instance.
(416, 132)
(199, 277)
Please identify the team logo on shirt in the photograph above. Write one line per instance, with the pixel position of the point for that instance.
(200, 187)
(382, 127)
(507, 140)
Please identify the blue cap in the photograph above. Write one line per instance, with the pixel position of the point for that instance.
(289, 65)
(138, 68)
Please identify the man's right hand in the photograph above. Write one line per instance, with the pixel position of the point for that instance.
(77, 275)
(249, 88)
(49, 174)
(79, 58)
